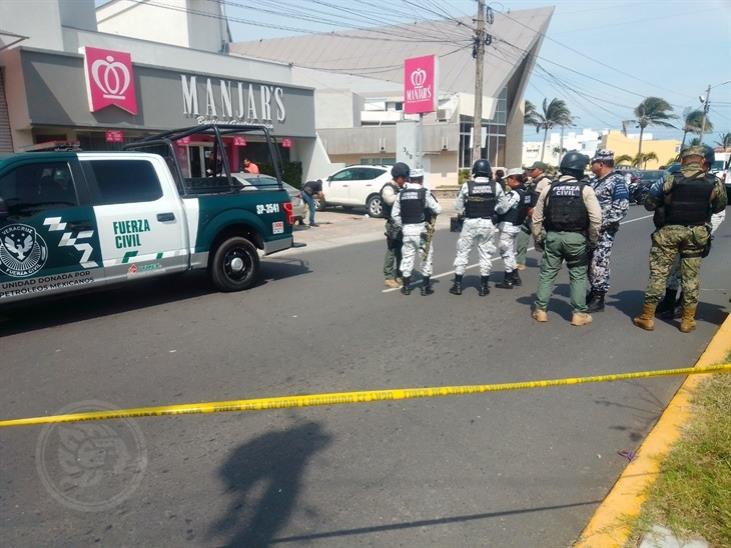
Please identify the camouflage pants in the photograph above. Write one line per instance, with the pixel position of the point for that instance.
(674, 277)
(599, 266)
(667, 243)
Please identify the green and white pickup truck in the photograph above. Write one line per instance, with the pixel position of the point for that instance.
(75, 220)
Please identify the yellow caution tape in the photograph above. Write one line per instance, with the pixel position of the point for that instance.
(338, 398)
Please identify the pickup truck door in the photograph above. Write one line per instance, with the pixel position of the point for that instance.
(142, 226)
(48, 237)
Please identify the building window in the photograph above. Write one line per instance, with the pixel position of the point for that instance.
(495, 130)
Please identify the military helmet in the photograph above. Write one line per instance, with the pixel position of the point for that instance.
(709, 154)
(400, 169)
(574, 161)
(482, 168)
(695, 150)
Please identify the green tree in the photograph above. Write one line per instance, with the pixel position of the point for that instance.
(693, 121)
(642, 158)
(623, 159)
(653, 111)
(725, 141)
(553, 114)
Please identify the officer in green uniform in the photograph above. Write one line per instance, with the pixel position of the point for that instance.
(688, 198)
(569, 212)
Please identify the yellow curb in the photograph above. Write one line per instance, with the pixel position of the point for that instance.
(625, 499)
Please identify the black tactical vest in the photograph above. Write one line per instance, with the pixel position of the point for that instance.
(690, 201)
(386, 207)
(481, 199)
(565, 210)
(516, 215)
(413, 203)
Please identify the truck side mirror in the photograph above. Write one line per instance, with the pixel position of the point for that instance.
(4, 212)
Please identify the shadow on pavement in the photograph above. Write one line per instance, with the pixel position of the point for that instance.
(273, 464)
(74, 307)
(630, 303)
(555, 305)
(428, 522)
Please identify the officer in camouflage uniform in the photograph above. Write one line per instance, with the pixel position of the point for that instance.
(413, 208)
(479, 201)
(611, 191)
(389, 193)
(688, 199)
(538, 180)
(570, 213)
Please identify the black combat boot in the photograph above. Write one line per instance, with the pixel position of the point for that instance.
(406, 288)
(456, 288)
(667, 306)
(516, 279)
(596, 304)
(678, 310)
(426, 287)
(507, 282)
(484, 288)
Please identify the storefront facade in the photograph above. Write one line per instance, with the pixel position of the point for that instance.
(103, 99)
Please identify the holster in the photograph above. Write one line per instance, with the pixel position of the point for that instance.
(456, 223)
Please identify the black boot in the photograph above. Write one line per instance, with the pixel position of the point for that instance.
(406, 288)
(516, 279)
(426, 287)
(456, 288)
(678, 309)
(667, 306)
(484, 287)
(596, 304)
(507, 282)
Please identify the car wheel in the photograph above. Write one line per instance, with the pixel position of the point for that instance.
(374, 206)
(235, 265)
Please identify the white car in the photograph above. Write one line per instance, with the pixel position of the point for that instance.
(357, 186)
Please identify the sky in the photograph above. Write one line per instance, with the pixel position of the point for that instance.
(671, 49)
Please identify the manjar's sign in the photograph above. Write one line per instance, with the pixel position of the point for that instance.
(420, 84)
(226, 101)
(109, 79)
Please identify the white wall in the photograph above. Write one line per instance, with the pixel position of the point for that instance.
(316, 163)
(145, 21)
(39, 20)
(336, 108)
(80, 14)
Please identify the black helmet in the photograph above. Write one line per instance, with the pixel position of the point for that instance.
(400, 169)
(709, 154)
(574, 161)
(482, 168)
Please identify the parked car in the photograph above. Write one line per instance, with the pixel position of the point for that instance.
(255, 181)
(357, 186)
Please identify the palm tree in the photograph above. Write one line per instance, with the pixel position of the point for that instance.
(623, 159)
(653, 111)
(555, 113)
(693, 121)
(642, 158)
(725, 141)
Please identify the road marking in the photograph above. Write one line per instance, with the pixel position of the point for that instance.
(339, 398)
(443, 274)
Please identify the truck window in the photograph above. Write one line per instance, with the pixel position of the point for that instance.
(122, 181)
(31, 188)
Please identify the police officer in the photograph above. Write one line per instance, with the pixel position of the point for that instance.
(570, 214)
(613, 196)
(520, 202)
(412, 209)
(479, 201)
(537, 181)
(689, 199)
(392, 261)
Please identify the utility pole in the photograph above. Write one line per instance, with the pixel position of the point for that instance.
(706, 105)
(481, 39)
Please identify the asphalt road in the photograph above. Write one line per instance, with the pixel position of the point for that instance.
(508, 469)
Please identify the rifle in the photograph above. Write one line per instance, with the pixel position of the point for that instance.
(426, 237)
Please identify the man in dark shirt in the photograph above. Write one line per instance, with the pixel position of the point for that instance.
(310, 191)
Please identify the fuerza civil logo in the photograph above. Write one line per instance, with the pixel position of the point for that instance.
(23, 251)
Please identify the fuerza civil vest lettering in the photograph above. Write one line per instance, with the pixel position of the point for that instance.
(690, 201)
(481, 199)
(413, 203)
(565, 210)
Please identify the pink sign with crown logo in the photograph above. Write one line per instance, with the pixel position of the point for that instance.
(420, 84)
(109, 79)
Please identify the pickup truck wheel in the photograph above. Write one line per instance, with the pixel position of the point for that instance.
(235, 265)
(374, 206)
